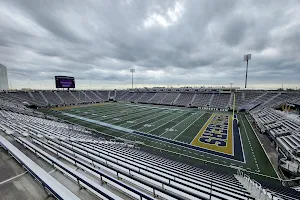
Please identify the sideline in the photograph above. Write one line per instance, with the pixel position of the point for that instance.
(278, 176)
(228, 166)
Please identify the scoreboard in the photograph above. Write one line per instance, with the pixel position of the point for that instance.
(64, 82)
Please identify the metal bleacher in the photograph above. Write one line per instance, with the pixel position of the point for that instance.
(116, 170)
(127, 172)
(51, 184)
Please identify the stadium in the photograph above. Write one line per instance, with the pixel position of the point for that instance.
(158, 122)
(137, 138)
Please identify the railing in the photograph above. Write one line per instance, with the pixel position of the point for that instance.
(257, 189)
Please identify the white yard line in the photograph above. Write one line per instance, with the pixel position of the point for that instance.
(141, 116)
(165, 123)
(191, 116)
(119, 114)
(188, 127)
(165, 108)
(146, 120)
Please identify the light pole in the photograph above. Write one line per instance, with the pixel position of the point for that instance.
(132, 71)
(231, 87)
(53, 81)
(247, 58)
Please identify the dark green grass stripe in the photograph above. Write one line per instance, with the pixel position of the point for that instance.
(105, 107)
(109, 115)
(150, 121)
(172, 123)
(182, 125)
(131, 117)
(139, 117)
(146, 119)
(156, 124)
(126, 112)
(189, 134)
(262, 160)
(113, 113)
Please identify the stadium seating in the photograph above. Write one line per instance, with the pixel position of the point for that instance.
(126, 97)
(157, 97)
(278, 100)
(104, 94)
(184, 99)
(135, 97)
(80, 96)
(38, 98)
(67, 97)
(202, 99)
(169, 98)
(220, 101)
(127, 167)
(245, 97)
(125, 170)
(23, 97)
(52, 98)
(283, 192)
(247, 100)
(263, 189)
(284, 132)
(71, 140)
(112, 93)
(120, 94)
(145, 98)
(92, 96)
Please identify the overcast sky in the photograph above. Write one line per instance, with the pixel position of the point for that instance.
(170, 43)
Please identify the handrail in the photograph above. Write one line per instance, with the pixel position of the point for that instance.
(56, 163)
(154, 187)
(53, 186)
(262, 192)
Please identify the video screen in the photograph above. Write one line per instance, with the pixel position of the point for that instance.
(64, 82)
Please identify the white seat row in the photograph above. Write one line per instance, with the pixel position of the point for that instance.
(82, 180)
(53, 186)
(150, 169)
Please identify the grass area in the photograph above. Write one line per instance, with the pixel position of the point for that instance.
(179, 124)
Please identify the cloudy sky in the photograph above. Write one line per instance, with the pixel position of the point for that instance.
(169, 43)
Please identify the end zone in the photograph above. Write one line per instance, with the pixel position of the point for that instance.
(220, 136)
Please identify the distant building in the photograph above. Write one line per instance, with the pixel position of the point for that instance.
(3, 78)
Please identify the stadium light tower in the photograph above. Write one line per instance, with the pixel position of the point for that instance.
(247, 58)
(132, 71)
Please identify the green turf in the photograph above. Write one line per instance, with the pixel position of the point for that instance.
(181, 124)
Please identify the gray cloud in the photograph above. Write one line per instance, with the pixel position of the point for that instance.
(168, 42)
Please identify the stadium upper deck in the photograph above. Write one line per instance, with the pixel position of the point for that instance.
(211, 99)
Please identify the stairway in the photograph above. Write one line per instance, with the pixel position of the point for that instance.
(254, 188)
(211, 98)
(45, 99)
(193, 98)
(176, 99)
(59, 97)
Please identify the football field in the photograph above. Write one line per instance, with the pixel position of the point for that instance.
(200, 136)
